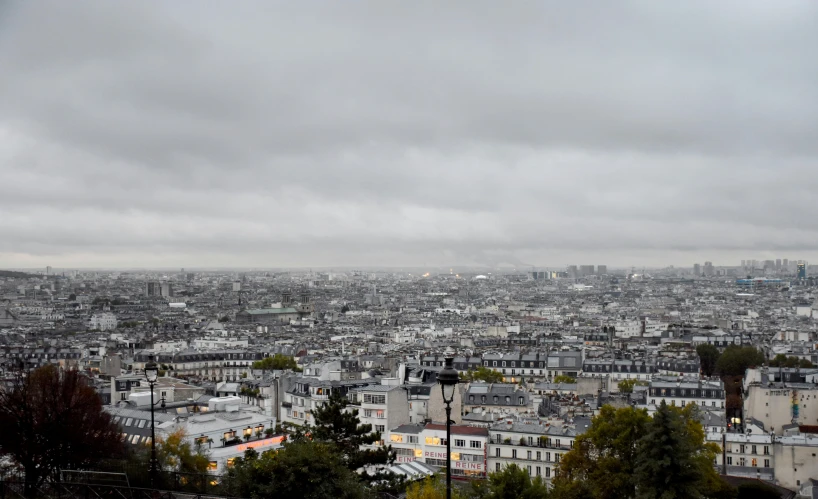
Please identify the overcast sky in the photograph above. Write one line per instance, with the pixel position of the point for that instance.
(272, 134)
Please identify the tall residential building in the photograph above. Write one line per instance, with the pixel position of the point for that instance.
(152, 288)
(585, 270)
(786, 264)
(601, 269)
(708, 268)
(697, 269)
(572, 271)
(166, 290)
(743, 263)
(777, 264)
(801, 270)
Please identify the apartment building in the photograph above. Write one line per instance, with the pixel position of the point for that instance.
(534, 446)
(427, 443)
(687, 391)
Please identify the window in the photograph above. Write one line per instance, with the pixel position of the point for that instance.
(413, 439)
(528, 455)
(529, 470)
(753, 451)
(496, 452)
(380, 414)
(374, 399)
(212, 466)
(766, 463)
(514, 453)
(396, 438)
(539, 456)
(766, 450)
(742, 461)
(459, 443)
(522, 400)
(741, 449)
(729, 461)
(548, 457)
(754, 462)
(367, 413)
(435, 441)
(497, 467)
(476, 444)
(547, 472)
(380, 428)
(128, 421)
(538, 471)
(556, 457)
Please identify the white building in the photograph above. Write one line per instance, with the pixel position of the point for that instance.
(535, 446)
(427, 443)
(104, 321)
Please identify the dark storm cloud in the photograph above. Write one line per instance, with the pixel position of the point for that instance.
(299, 133)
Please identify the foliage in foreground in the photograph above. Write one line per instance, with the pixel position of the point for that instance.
(626, 453)
(52, 420)
(337, 457)
(512, 482)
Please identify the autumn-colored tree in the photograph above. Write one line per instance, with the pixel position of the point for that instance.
(563, 378)
(52, 420)
(175, 453)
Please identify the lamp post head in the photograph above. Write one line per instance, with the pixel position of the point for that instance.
(151, 372)
(448, 379)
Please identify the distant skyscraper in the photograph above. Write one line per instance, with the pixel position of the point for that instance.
(48, 271)
(786, 264)
(601, 269)
(152, 288)
(777, 264)
(708, 268)
(166, 290)
(585, 270)
(572, 271)
(743, 263)
(801, 270)
(697, 269)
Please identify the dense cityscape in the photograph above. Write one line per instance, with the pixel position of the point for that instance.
(469, 249)
(539, 353)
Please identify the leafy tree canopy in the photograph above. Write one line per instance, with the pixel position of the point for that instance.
(562, 378)
(52, 420)
(782, 360)
(482, 374)
(708, 357)
(277, 361)
(736, 360)
(626, 385)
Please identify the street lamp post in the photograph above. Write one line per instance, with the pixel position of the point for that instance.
(151, 374)
(448, 379)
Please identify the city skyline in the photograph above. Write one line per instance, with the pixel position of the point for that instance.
(292, 135)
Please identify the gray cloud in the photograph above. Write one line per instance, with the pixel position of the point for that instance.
(392, 133)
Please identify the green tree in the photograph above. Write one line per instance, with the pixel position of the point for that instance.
(782, 360)
(482, 374)
(562, 378)
(277, 362)
(604, 458)
(674, 461)
(626, 385)
(334, 424)
(736, 360)
(302, 468)
(708, 357)
(513, 482)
